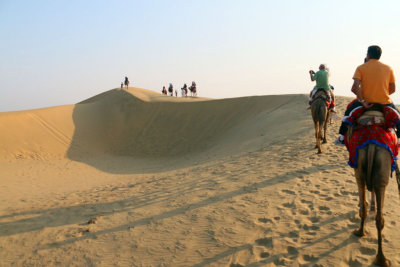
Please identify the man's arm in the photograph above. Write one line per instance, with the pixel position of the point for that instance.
(392, 88)
(356, 89)
(312, 73)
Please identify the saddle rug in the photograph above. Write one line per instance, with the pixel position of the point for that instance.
(381, 134)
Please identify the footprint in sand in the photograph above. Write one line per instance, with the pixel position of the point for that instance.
(310, 227)
(367, 251)
(294, 234)
(304, 211)
(305, 201)
(289, 205)
(292, 250)
(324, 208)
(265, 220)
(265, 242)
(290, 192)
(281, 261)
(309, 257)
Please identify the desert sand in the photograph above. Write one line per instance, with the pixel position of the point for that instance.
(135, 178)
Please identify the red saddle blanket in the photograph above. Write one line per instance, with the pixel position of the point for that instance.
(381, 135)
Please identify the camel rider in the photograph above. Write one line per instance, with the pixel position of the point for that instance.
(374, 82)
(322, 82)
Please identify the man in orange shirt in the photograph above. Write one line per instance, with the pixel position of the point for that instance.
(373, 80)
(373, 83)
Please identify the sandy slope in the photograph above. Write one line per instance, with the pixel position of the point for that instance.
(179, 182)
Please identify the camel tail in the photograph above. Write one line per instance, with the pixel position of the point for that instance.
(317, 129)
(370, 162)
(398, 178)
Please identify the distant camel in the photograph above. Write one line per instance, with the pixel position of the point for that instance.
(126, 82)
(373, 164)
(320, 115)
(193, 91)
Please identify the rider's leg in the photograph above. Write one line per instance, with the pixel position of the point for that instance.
(333, 108)
(312, 93)
(343, 126)
(397, 126)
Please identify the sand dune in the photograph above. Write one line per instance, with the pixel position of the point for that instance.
(180, 182)
(142, 124)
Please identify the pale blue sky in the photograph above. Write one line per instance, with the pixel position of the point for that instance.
(62, 52)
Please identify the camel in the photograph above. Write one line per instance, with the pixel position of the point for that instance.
(126, 82)
(320, 115)
(193, 91)
(373, 163)
(374, 166)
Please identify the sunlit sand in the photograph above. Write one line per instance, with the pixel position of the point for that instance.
(135, 178)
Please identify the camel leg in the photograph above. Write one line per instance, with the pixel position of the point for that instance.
(318, 137)
(325, 127)
(380, 259)
(379, 186)
(372, 207)
(361, 191)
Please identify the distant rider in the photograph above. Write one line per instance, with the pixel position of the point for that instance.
(184, 90)
(322, 82)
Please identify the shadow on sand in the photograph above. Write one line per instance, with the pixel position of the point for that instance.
(117, 132)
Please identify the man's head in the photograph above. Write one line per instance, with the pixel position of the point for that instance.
(374, 52)
(322, 67)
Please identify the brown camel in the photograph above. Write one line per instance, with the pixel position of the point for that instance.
(373, 164)
(320, 115)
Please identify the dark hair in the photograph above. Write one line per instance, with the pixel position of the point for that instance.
(374, 52)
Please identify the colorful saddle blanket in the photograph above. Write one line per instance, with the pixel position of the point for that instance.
(320, 93)
(377, 131)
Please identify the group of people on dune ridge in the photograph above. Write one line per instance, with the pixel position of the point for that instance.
(184, 90)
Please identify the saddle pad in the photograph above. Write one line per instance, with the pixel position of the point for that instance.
(384, 137)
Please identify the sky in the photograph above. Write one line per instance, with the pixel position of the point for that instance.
(61, 52)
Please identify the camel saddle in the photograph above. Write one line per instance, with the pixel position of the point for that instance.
(375, 126)
(371, 117)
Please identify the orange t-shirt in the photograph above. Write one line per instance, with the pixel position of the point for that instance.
(375, 78)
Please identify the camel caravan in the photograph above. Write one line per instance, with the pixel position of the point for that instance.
(369, 130)
(170, 92)
(184, 90)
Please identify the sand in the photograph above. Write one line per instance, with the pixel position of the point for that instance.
(135, 178)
